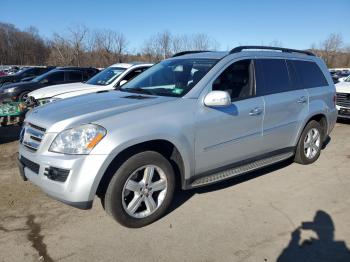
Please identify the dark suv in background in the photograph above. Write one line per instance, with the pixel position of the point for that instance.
(25, 74)
(62, 75)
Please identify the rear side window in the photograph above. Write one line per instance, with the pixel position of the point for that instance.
(272, 76)
(295, 83)
(310, 74)
(75, 76)
(56, 77)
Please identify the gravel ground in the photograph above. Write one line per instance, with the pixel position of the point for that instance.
(287, 212)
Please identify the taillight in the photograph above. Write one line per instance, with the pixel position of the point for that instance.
(335, 99)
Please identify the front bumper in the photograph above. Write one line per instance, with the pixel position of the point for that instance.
(85, 172)
(343, 112)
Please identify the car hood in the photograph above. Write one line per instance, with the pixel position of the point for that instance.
(6, 78)
(343, 87)
(55, 90)
(21, 85)
(67, 113)
(83, 91)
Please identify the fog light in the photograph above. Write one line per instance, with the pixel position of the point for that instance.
(56, 174)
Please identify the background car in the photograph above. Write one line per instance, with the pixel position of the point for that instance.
(343, 98)
(28, 73)
(108, 79)
(339, 75)
(19, 91)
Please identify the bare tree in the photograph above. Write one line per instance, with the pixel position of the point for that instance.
(276, 43)
(330, 49)
(203, 42)
(163, 45)
(83, 47)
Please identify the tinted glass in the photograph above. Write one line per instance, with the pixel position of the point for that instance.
(75, 76)
(173, 77)
(237, 80)
(28, 72)
(293, 76)
(273, 76)
(310, 74)
(56, 77)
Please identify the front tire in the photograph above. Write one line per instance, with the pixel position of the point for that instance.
(310, 144)
(23, 96)
(141, 190)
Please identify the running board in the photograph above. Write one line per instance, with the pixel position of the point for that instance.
(239, 170)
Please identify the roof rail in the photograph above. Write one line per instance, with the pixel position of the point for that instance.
(286, 50)
(189, 52)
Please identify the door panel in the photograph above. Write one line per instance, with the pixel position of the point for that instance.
(284, 113)
(228, 135)
(286, 103)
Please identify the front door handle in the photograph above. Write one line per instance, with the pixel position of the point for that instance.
(302, 100)
(256, 111)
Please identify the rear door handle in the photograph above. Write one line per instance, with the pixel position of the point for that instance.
(256, 111)
(302, 100)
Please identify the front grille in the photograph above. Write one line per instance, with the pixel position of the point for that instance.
(30, 165)
(343, 99)
(31, 136)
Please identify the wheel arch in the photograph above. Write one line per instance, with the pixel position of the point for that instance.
(165, 147)
(319, 117)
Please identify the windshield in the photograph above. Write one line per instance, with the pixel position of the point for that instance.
(347, 79)
(19, 72)
(106, 76)
(174, 77)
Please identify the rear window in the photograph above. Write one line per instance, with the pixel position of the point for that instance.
(310, 74)
(272, 76)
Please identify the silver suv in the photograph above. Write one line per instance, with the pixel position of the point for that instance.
(194, 119)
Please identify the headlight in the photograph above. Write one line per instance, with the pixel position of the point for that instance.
(9, 90)
(78, 141)
(47, 100)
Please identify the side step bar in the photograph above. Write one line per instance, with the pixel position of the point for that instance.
(239, 170)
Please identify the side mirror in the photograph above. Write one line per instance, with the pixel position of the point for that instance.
(217, 99)
(122, 82)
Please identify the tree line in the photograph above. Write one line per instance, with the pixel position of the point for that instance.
(80, 46)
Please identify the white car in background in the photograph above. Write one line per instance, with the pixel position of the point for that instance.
(108, 79)
(343, 98)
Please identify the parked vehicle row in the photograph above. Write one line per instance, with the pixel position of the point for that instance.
(108, 79)
(339, 75)
(343, 98)
(194, 119)
(26, 74)
(19, 91)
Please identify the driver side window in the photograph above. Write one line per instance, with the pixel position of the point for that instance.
(134, 73)
(237, 79)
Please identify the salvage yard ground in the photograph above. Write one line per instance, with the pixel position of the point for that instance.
(250, 218)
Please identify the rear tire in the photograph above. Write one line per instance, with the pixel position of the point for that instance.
(141, 190)
(310, 144)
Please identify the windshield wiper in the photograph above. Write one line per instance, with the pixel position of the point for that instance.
(137, 90)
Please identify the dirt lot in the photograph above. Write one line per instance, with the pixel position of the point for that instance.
(253, 218)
